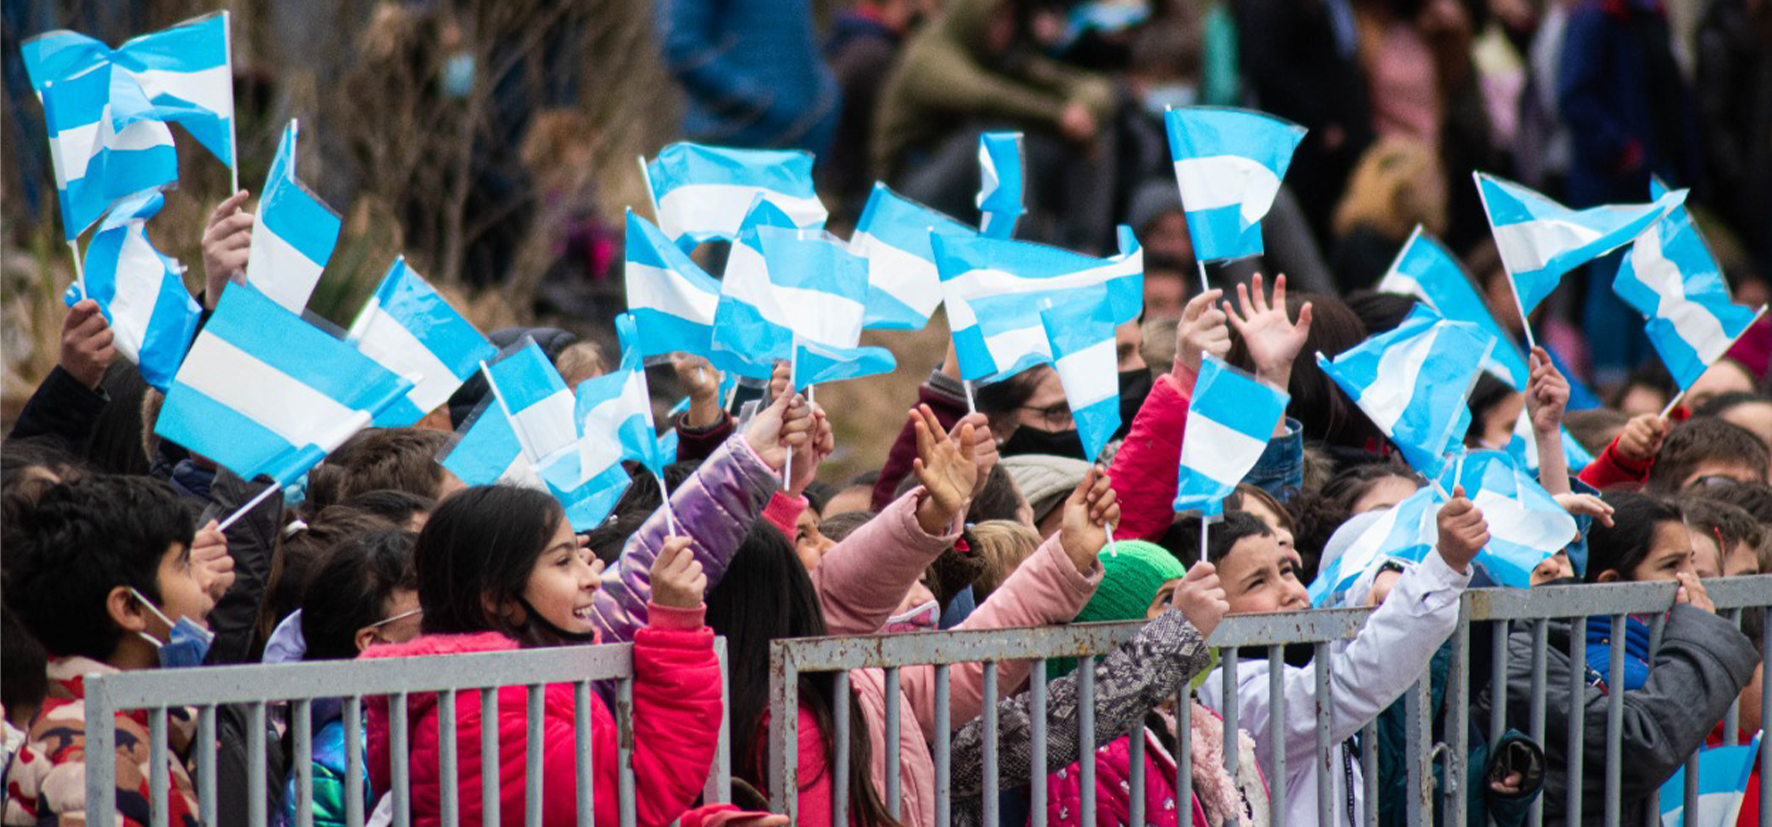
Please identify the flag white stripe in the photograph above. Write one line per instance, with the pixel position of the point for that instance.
(138, 275)
(721, 208)
(907, 277)
(1216, 181)
(547, 424)
(656, 288)
(1386, 400)
(383, 338)
(991, 282)
(1529, 245)
(278, 402)
(1084, 380)
(1211, 447)
(212, 89)
(1512, 521)
(279, 270)
(75, 147)
(1008, 347)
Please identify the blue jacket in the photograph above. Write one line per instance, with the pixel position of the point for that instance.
(752, 72)
(330, 769)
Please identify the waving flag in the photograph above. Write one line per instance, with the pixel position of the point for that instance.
(1670, 277)
(263, 392)
(1540, 239)
(141, 292)
(181, 74)
(1413, 383)
(1081, 333)
(292, 235)
(701, 193)
(614, 414)
(995, 289)
(1000, 183)
(904, 286)
(95, 164)
(1522, 445)
(1228, 163)
(528, 417)
(1228, 427)
(1425, 270)
(1723, 776)
(671, 298)
(781, 283)
(410, 330)
(1406, 531)
(1526, 526)
(815, 363)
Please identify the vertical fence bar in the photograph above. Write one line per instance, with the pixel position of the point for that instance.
(1184, 750)
(1325, 765)
(401, 773)
(1614, 723)
(158, 780)
(1765, 717)
(989, 802)
(840, 766)
(1498, 680)
(893, 758)
(301, 711)
(719, 787)
(255, 765)
(355, 756)
(1135, 790)
(1577, 721)
(490, 800)
(1037, 754)
(533, 772)
(1276, 729)
(944, 736)
(581, 747)
(1369, 772)
(1732, 718)
(101, 745)
(624, 750)
(784, 694)
(1086, 738)
(1418, 728)
(1458, 710)
(1656, 625)
(206, 761)
(1227, 660)
(449, 778)
(1535, 708)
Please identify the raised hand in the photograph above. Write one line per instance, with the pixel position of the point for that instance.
(1586, 505)
(677, 578)
(211, 561)
(1201, 598)
(946, 466)
(226, 242)
(784, 425)
(86, 343)
(1202, 330)
(1547, 393)
(1273, 340)
(1641, 438)
(702, 382)
(1463, 531)
(781, 380)
(1090, 511)
(984, 444)
(814, 451)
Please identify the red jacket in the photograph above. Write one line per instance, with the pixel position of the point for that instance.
(676, 723)
(1611, 470)
(1143, 471)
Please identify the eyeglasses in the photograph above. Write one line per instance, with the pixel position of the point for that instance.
(1714, 481)
(1054, 417)
(401, 616)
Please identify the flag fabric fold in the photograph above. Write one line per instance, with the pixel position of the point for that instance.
(671, 298)
(614, 418)
(1405, 531)
(1080, 331)
(1228, 164)
(904, 285)
(1000, 188)
(1426, 270)
(527, 417)
(1229, 422)
(781, 283)
(701, 193)
(293, 233)
(1526, 525)
(140, 291)
(95, 164)
(816, 363)
(409, 329)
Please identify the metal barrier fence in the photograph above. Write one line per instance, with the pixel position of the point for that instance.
(1319, 628)
(299, 685)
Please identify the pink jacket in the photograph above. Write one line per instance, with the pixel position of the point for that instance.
(676, 721)
(1113, 788)
(862, 580)
(1143, 471)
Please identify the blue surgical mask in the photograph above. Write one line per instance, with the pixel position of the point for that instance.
(1170, 95)
(187, 644)
(458, 75)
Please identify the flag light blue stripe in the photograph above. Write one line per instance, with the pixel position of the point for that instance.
(1405, 532)
(447, 334)
(526, 377)
(167, 332)
(293, 213)
(1223, 231)
(194, 420)
(487, 447)
(905, 224)
(1206, 131)
(1443, 283)
(815, 363)
(1237, 403)
(1085, 320)
(779, 170)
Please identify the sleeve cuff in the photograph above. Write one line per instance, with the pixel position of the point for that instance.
(682, 423)
(672, 617)
(947, 387)
(784, 511)
(1434, 585)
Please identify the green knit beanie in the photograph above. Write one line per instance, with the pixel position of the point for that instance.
(1129, 583)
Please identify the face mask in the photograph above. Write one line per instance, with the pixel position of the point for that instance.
(187, 645)
(1176, 95)
(539, 630)
(1135, 385)
(1030, 440)
(920, 619)
(458, 75)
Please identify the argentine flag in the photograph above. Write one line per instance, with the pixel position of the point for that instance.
(410, 330)
(1413, 383)
(1723, 776)
(263, 392)
(1228, 427)
(784, 283)
(994, 290)
(1540, 239)
(814, 363)
(141, 292)
(1228, 164)
(614, 415)
(1522, 445)
(1080, 331)
(701, 193)
(95, 164)
(1000, 195)
(292, 235)
(671, 298)
(1526, 526)
(1670, 277)
(527, 418)
(1424, 269)
(904, 286)
(181, 74)
(1406, 531)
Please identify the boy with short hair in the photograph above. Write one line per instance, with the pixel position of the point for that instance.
(100, 572)
(376, 459)
(1705, 448)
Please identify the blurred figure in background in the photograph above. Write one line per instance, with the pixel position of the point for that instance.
(1397, 185)
(751, 72)
(862, 48)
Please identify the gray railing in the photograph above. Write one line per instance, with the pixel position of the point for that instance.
(259, 688)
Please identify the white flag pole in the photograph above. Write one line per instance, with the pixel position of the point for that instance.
(1204, 286)
(250, 504)
(664, 491)
(233, 119)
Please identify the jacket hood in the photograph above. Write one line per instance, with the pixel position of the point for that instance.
(965, 24)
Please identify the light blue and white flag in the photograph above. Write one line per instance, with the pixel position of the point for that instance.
(263, 392)
(1080, 331)
(1000, 196)
(1228, 427)
(815, 363)
(614, 414)
(409, 329)
(94, 163)
(1426, 270)
(1522, 445)
(1406, 531)
(1670, 277)
(141, 292)
(1526, 525)
(181, 74)
(1413, 383)
(527, 417)
(1540, 239)
(671, 298)
(1228, 163)
(904, 286)
(1723, 776)
(292, 235)
(994, 290)
(781, 283)
(701, 193)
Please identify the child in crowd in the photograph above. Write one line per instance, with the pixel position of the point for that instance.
(1725, 538)
(1704, 452)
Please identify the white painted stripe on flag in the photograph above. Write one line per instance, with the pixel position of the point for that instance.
(991, 282)
(721, 208)
(548, 425)
(1511, 521)
(905, 276)
(1386, 399)
(1083, 375)
(212, 88)
(383, 338)
(1692, 321)
(1218, 181)
(139, 272)
(278, 402)
(75, 147)
(1529, 245)
(656, 288)
(137, 136)
(278, 269)
(826, 318)
(1008, 347)
(1218, 452)
(1397, 281)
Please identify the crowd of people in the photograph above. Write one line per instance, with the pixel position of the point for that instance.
(985, 513)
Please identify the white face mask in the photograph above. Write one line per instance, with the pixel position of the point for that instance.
(923, 618)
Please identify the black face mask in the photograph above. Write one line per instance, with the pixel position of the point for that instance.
(1030, 440)
(1135, 385)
